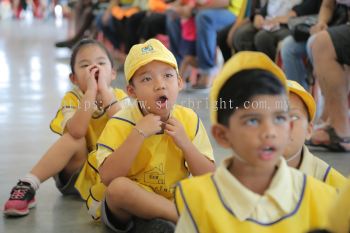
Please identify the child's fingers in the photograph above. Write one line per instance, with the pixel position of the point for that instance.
(170, 127)
(169, 132)
(172, 121)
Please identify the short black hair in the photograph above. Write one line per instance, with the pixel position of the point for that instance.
(85, 42)
(242, 87)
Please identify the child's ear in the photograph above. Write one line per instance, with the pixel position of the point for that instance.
(130, 89)
(73, 79)
(180, 82)
(309, 130)
(219, 132)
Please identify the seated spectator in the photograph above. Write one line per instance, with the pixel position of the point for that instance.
(146, 24)
(188, 34)
(83, 19)
(115, 21)
(225, 36)
(209, 19)
(293, 52)
(267, 28)
(330, 55)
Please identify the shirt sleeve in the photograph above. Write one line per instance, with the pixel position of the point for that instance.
(69, 105)
(202, 143)
(335, 179)
(67, 113)
(113, 136)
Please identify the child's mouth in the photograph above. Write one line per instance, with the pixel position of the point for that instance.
(162, 101)
(267, 152)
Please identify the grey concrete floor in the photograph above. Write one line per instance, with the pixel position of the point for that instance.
(33, 78)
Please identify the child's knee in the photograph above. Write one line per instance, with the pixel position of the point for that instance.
(117, 189)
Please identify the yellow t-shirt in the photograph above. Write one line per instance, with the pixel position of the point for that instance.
(160, 164)
(319, 169)
(220, 203)
(340, 213)
(70, 103)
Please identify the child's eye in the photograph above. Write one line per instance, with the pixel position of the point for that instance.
(294, 117)
(84, 65)
(102, 63)
(252, 122)
(146, 79)
(169, 75)
(280, 119)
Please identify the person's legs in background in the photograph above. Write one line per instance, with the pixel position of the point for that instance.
(110, 29)
(152, 25)
(132, 25)
(84, 18)
(293, 54)
(266, 41)
(243, 39)
(222, 42)
(334, 84)
(173, 29)
(208, 23)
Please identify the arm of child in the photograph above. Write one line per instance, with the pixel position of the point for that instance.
(77, 126)
(120, 161)
(197, 162)
(109, 102)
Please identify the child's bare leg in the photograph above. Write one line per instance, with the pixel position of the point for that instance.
(125, 199)
(66, 155)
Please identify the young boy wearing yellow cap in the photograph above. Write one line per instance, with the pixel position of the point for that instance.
(253, 190)
(297, 155)
(151, 145)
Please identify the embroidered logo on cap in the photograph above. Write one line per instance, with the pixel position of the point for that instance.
(147, 49)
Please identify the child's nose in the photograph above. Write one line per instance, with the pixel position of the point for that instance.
(159, 84)
(268, 130)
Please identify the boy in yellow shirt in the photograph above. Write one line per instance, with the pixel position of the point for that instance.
(145, 149)
(83, 114)
(253, 190)
(297, 155)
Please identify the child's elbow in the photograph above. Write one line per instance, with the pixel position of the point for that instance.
(76, 133)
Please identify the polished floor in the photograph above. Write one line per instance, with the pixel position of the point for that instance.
(33, 78)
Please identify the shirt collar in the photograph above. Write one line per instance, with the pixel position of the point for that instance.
(306, 165)
(245, 201)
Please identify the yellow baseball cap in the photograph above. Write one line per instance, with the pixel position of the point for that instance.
(142, 54)
(305, 96)
(246, 60)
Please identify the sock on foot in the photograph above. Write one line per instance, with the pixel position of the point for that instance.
(32, 180)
